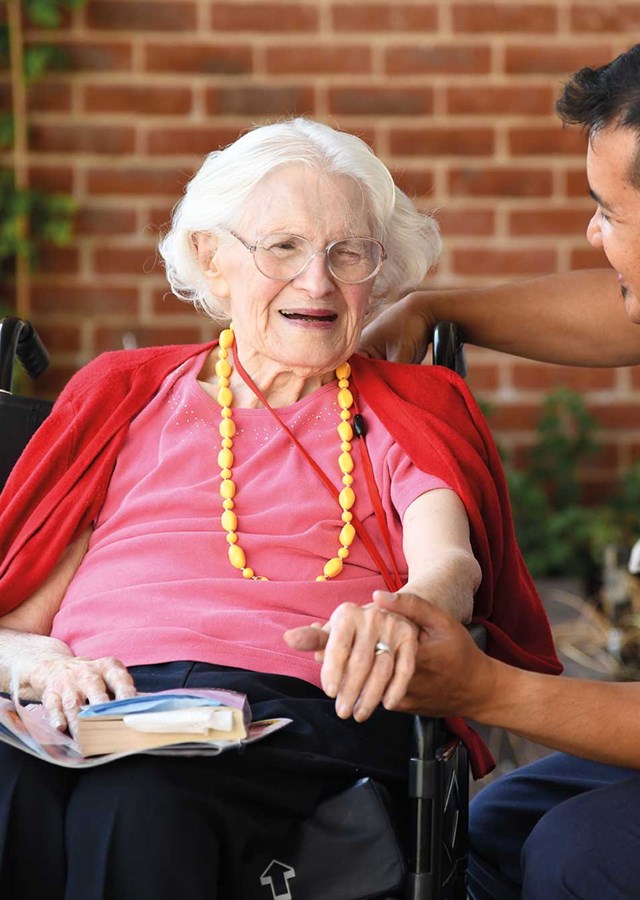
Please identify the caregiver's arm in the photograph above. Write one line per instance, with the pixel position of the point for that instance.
(594, 719)
(44, 667)
(576, 319)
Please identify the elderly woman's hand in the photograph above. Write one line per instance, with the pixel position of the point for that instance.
(357, 669)
(64, 683)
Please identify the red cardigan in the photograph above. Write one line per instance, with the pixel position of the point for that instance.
(58, 486)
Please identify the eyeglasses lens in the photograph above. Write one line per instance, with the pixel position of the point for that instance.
(352, 260)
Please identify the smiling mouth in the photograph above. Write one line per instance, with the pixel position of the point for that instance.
(309, 317)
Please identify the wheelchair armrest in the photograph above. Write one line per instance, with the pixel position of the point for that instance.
(448, 348)
(19, 338)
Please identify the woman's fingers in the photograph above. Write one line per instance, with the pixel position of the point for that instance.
(69, 683)
(353, 672)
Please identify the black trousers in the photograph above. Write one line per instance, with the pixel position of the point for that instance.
(199, 828)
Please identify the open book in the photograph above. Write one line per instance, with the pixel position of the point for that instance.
(184, 721)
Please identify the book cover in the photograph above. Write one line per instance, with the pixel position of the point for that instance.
(27, 728)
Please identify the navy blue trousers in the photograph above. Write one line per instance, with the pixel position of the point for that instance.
(199, 828)
(559, 828)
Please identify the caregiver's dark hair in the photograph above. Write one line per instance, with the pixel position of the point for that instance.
(608, 96)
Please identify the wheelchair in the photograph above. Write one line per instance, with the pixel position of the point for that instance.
(349, 850)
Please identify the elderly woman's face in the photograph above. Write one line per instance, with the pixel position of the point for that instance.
(311, 323)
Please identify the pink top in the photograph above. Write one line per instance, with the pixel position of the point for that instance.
(156, 584)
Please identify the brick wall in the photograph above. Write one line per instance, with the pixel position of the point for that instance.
(457, 97)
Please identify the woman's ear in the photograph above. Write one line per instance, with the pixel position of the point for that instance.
(206, 249)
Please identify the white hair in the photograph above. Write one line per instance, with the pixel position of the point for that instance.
(220, 192)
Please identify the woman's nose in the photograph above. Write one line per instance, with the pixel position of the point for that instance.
(594, 233)
(316, 278)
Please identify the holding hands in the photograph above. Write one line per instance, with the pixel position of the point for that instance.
(367, 653)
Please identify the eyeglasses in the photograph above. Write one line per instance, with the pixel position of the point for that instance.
(283, 257)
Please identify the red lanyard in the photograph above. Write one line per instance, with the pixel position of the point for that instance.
(394, 581)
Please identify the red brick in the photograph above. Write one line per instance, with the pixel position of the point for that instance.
(380, 101)
(258, 100)
(84, 299)
(441, 59)
(499, 182)
(486, 261)
(263, 17)
(431, 141)
(49, 96)
(463, 222)
(206, 59)
(554, 59)
(484, 378)
(545, 141)
(474, 18)
(140, 180)
(59, 337)
(597, 491)
(576, 183)
(111, 338)
(131, 15)
(53, 260)
(512, 417)
(623, 17)
(317, 59)
(51, 382)
(138, 99)
(619, 416)
(176, 141)
(587, 257)
(158, 217)
(415, 183)
(98, 139)
(548, 221)
(545, 378)
(98, 220)
(165, 304)
(530, 100)
(51, 178)
(108, 260)
(385, 17)
(89, 56)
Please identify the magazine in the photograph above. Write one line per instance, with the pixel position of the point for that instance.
(185, 722)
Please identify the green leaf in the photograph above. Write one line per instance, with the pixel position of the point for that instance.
(6, 130)
(43, 13)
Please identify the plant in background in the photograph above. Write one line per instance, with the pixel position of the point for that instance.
(558, 534)
(27, 216)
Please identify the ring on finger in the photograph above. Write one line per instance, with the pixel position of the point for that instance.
(382, 647)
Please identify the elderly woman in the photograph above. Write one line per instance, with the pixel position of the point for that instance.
(184, 507)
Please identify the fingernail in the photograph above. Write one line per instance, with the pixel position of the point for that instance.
(331, 690)
(343, 711)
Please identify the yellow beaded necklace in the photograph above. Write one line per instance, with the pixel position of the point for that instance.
(227, 429)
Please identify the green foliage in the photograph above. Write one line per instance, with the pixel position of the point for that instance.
(48, 13)
(559, 535)
(48, 217)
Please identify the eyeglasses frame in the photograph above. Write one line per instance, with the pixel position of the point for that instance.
(326, 250)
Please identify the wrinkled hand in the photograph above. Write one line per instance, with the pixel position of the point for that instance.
(351, 671)
(401, 333)
(452, 677)
(64, 684)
